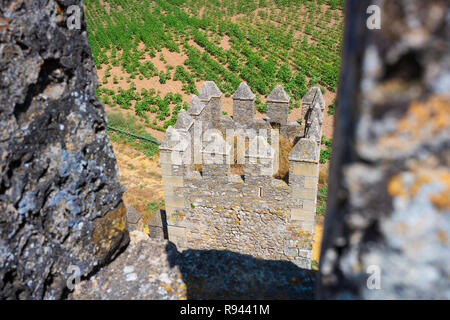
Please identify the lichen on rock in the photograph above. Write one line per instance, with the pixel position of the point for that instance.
(60, 197)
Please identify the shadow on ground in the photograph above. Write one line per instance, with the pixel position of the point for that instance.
(223, 274)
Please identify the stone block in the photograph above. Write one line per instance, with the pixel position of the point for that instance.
(302, 215)
(179, 232)
(166, 169)
(168, 190)
(291, 252)
(306, 169)
(165, 157)
(309, 205)
(311, 182)
(302, 193)
(174, 181)
(175, 201)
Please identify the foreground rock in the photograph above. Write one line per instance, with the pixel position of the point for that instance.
(60, 197)
(387, 229)
(154, 269)
(142, 271)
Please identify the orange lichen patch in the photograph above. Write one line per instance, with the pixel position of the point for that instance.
(442, 236)
(109, 229)
(442, 200)
(397, 188)
(422, 178)
(401, 227)
(422, 121)
(436, 110)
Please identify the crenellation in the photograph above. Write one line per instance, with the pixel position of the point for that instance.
(211, 207)
(313, 105)
(210, 94)
(278, 106)
(197, 109)
(184, 121)
(244, 105)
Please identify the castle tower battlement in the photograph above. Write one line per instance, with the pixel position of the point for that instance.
(243, 105)
(222, 194)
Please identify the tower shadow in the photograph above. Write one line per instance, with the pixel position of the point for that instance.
(223, 274)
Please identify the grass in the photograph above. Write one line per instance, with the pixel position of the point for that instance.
(152, 207)
(322, 193)
(295, 43)
(322, 200)
(315, 265)
(131, 125)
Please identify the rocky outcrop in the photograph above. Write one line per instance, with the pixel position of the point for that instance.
(60, 197)
(388, 213)
(143, 271)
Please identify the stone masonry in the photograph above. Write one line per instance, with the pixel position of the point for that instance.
(210, 207)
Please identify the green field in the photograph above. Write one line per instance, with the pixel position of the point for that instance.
(293, 43)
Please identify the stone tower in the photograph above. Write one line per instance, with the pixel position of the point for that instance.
(212, 207)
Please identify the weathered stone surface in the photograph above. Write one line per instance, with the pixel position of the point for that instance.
(60, 197)
(313, 96)
(184, 121)
(208, 90)
(196, 106)
(243, 92)
(278, 106)
(388, 206)
(278, 95)
(134, 218)
(154, 269)
(142, 271)
(305, 150)
(175, 140)
(243, 105)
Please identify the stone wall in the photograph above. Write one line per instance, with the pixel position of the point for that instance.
(251, 212)
(60, 196)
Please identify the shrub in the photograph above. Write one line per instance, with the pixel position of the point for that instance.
(262, 108)
(325, 154)
(330, 110)
(322, 200)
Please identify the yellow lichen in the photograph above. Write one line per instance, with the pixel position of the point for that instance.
(422, 121)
